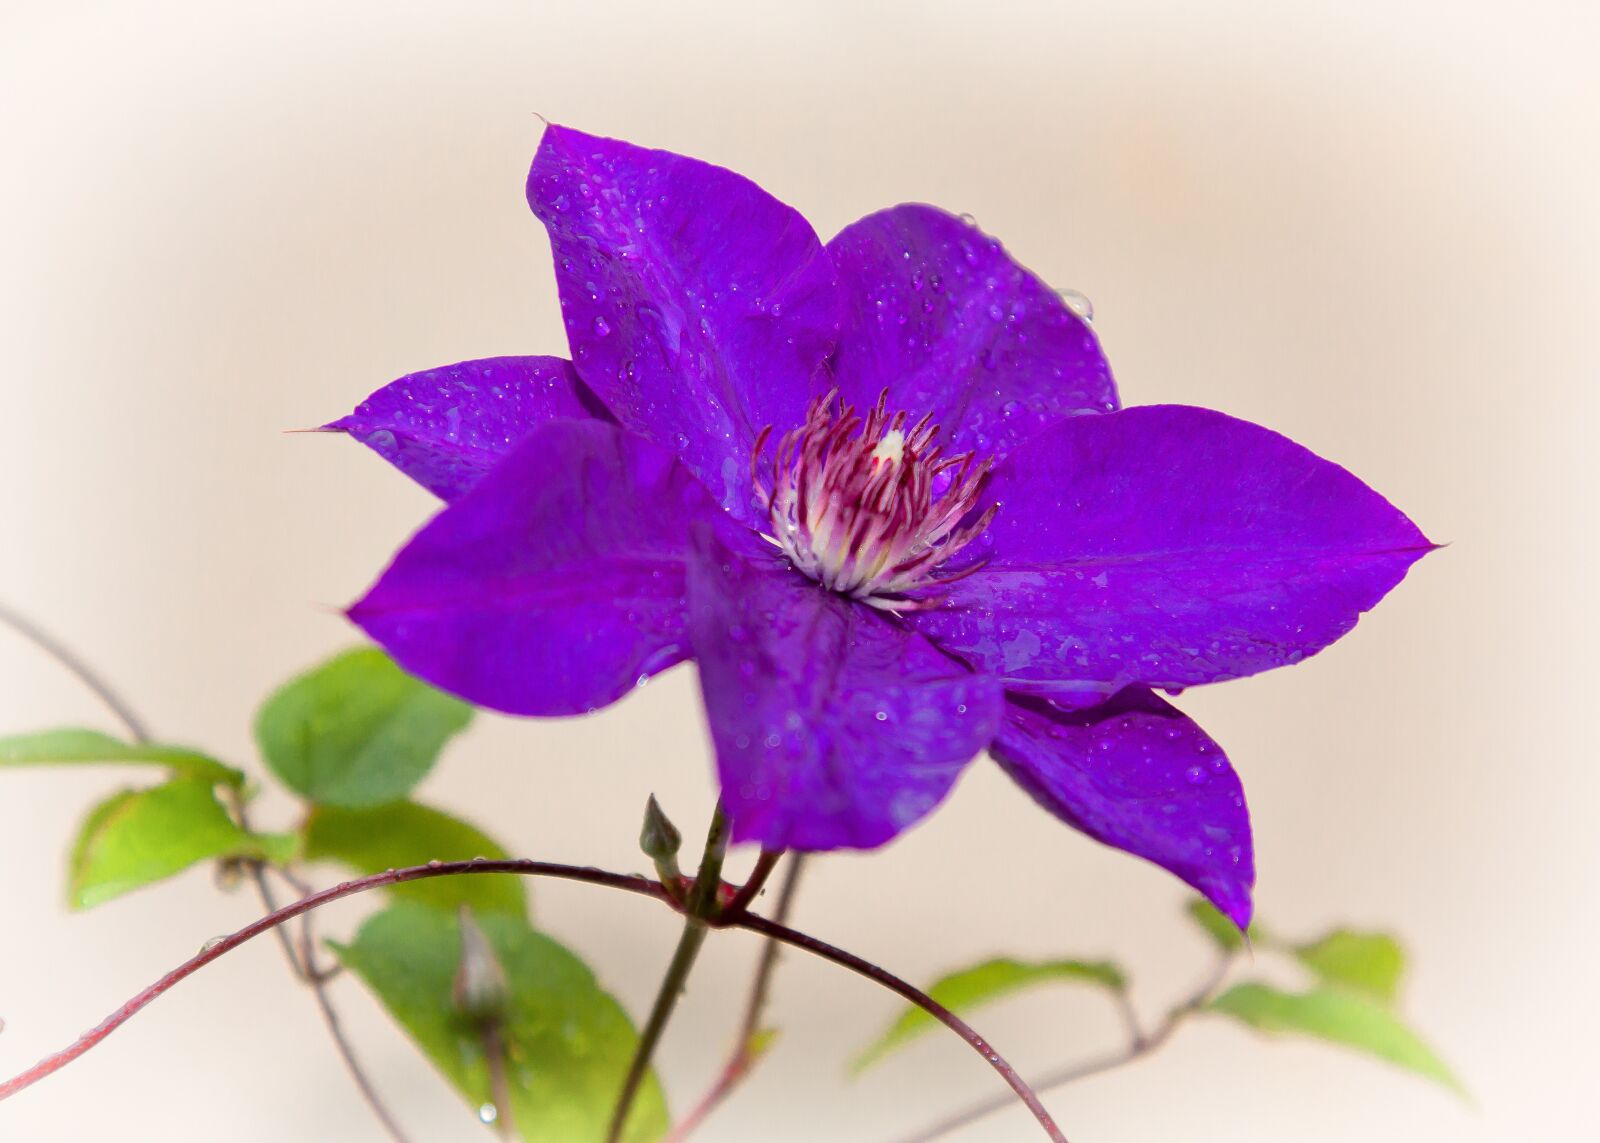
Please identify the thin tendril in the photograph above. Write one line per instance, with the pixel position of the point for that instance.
(85, 674)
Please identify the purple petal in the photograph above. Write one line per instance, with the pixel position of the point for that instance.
(937, 313)
(698, 306)
(1137, 774)
(835, 726)
(555, 584)
(1168, 546)
(446, 427)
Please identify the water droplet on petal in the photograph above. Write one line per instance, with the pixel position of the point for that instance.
(1078, 303)
(488, 1113)
(601, 327)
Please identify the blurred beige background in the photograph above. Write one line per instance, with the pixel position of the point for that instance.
(1372, 226)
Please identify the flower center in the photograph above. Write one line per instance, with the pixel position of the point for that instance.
(869, 507)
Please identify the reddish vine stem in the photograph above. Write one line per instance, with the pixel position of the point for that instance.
(751, 889)
(222, 947)
(631, 883)
(303, 967)
(921, 999)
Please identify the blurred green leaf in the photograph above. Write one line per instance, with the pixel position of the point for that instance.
(1339, 1017)
(138, 837)
(406, 833)
(568, 1042)
(73, 747)
(1369, 963)
(357, 730)
(980, 984)
(1222, 931)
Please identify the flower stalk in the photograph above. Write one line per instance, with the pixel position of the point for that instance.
(700, 910)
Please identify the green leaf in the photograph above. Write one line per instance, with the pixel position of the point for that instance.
(1369, 963)
(970, 987)
(1222, 931)
(1338, 1016)
(356, 731)
(138, 837)
(74, 747)
(568, 1042)
(406, 833)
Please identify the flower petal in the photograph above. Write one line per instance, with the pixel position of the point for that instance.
(697, 305)
(446, 427)
(552, 586)
(835, 726)
(937, 313)
(1137, 774)
(1168, 546)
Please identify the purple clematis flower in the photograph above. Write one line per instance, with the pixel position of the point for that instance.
(883, 492)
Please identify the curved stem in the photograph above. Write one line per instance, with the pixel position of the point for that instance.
(304, 967)
(1139, 1044)
(745, 1052)
(631, 883)
(85, 674)
(922, 1000)
(702, 905)
(53, 1063)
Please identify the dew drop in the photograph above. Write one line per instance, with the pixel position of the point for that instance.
(601, 327)
(1078, 303)
(488, 1113)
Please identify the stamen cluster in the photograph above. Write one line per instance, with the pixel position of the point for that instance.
(853, 504)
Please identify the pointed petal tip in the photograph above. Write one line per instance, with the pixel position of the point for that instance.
(1235, 903)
